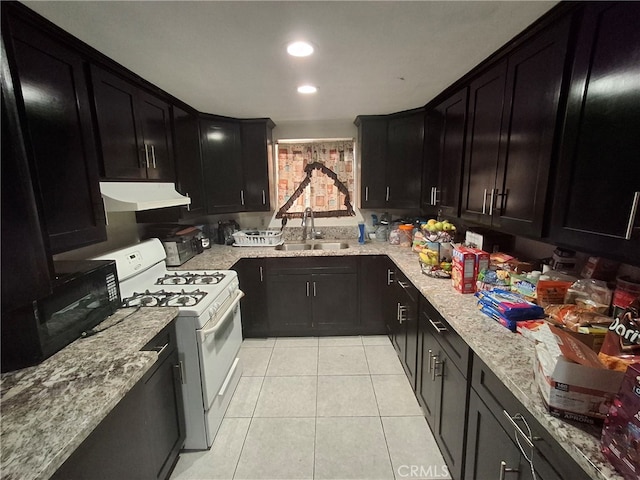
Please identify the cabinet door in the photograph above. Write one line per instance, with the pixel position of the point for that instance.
(488, 445)
(444, 155)
(450, 432)
(257, 146)
(373, 283)
(252, 277)
(222, 165)
(483, 144)
(408, 330)
(186, 143)
(334, 306)
(164, 417)
(428, 385)
(26, 266)
(372, 143)
(120, 133)
(598, 185)
(289, 304)
(155, 118)
(534, 83)
(117, 448)
(58, 135)
(405, 140)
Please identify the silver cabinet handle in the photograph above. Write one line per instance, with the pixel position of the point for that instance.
(146, 155)
(153, 155)
(439, 326)
(435, 367)
(398, 312)
(491, 199)
(314, 289)
(504, 470)
(632, 215)
(188, 205)
(432, 189)
(484, 202)
(261, 275)
(404, 285)
(179, 367)
(402, 313)
(307, 289)
(161, 349)
(430, 353)
(389, 274)
(366, 194)
(431, 360)
(241, 197)
(386, 199)
(264, 198)
(512, 419)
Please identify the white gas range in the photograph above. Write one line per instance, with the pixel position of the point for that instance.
(208, 329)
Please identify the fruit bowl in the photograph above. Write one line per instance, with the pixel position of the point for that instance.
(434, 271)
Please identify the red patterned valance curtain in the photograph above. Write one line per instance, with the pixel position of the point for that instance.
(319, 175)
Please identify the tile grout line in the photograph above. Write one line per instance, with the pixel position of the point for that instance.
(251, 418)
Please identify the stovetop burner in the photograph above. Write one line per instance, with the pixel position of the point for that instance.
(190, 278)
(162, 298)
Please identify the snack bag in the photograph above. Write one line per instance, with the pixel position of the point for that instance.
(621, 346)
(620, 440)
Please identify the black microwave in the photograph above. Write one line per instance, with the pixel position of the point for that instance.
(84, 294)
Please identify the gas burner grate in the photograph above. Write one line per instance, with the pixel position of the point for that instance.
(189, 278)
(162, 298)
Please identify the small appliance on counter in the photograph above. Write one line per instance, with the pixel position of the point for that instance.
(84, 294)
(226, 231)
(181, 242)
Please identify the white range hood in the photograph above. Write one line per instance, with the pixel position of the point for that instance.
(137, 196)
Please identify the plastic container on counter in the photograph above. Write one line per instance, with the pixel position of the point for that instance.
(405, 233)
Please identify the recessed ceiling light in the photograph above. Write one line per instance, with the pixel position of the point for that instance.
(307, 89)
(300, 49)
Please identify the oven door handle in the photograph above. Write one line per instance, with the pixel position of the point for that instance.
(204, 333)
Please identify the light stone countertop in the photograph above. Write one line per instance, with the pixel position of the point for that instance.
(509, 355)
(49, 409)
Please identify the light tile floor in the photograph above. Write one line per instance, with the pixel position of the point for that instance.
(332, 408)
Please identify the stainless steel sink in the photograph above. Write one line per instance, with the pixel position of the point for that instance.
(313, 246)
(330, 246)
(294, 246)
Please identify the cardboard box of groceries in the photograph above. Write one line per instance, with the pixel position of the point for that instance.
(573, 382)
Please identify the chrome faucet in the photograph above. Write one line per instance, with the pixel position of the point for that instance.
(308, 212)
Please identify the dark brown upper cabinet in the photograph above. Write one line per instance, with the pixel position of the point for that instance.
(55, 115)
(134, 130)
(405, 141)
(513, 111)
(236, 155)
(257, 157)
(597, 192)
(390, 158)
(186, 143)
(445, 126)
(372, 153)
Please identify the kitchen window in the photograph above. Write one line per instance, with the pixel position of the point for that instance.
(319, 174)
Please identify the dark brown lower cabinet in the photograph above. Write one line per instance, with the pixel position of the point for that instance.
(142, 436)
(252, 275)
(313, 296)
(442, 385)
(495, 415)
(375, 282)
(316, 295)
(405, 336)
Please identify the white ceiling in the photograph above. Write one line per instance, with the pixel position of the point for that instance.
(228, 57)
